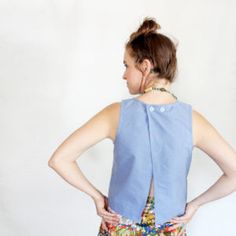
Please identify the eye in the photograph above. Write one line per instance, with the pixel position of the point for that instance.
(125, 65)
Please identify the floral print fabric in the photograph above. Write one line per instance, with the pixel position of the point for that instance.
(146, 227)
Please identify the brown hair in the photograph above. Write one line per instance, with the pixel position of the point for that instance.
(147, 43)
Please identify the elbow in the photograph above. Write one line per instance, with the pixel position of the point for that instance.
(231, 175)
(232, 178)
(234, 182)
(55, 161)
(52, 162)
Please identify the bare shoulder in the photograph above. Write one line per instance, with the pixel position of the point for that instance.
(114, 114)
(200, 124)
(98, 127)
(109, 117)
(113, 108)
(204, 130)
(109, 111)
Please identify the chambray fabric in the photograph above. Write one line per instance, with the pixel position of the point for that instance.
(151, 139)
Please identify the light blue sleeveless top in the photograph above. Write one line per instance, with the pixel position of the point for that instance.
(151, 139)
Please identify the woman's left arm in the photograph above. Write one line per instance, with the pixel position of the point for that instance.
(210, 141)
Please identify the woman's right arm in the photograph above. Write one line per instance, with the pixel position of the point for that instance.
(63, 160)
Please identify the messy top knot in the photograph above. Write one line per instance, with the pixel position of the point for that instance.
(147, 43)
(148, 26)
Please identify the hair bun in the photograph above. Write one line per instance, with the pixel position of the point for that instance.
(148, 26)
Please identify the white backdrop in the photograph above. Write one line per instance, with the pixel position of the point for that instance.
(62, 62)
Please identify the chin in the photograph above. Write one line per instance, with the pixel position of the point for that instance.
(132, 92)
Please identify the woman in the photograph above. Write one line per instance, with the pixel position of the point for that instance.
(150, 61)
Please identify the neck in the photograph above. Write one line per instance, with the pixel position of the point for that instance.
(160, 83)
(157, 94)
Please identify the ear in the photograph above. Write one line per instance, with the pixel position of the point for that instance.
(146, 67)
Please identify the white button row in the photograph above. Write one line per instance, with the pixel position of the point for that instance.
(162, 109)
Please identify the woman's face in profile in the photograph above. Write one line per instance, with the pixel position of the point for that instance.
(131, 74)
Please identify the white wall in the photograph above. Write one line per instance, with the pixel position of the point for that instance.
(61, 62)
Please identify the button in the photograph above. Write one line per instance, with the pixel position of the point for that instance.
(151, 108)
(162, 109)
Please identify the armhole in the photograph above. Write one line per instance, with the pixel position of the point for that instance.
(119, 122)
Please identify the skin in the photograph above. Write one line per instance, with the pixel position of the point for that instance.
(104, 124)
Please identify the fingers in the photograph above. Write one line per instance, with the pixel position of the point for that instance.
(112, 218)
(104, 226)
(182, 232)
(180, 219)
(109, 214)
(176, 226)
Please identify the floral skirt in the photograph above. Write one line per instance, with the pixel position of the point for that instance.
(127, 227)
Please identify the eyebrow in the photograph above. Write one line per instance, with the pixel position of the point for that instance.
(124, 62)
